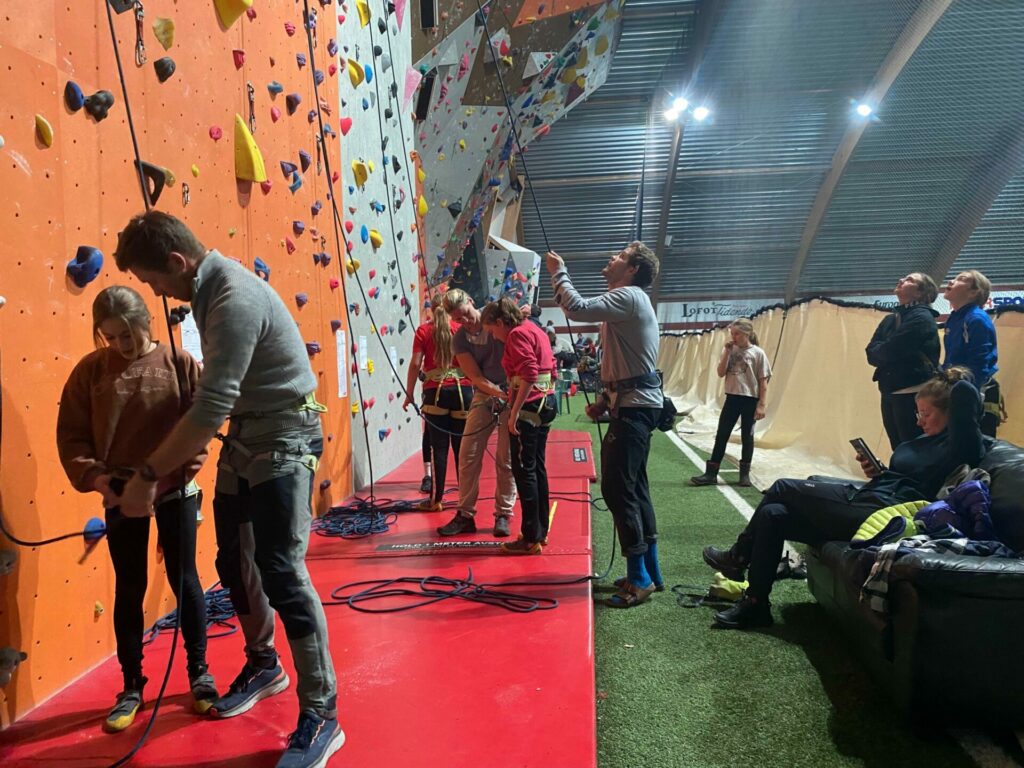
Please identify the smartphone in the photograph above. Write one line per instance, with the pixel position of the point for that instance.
(862, 448)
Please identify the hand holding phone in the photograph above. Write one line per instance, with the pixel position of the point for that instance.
(865, 453)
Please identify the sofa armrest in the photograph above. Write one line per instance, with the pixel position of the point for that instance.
(986, 577)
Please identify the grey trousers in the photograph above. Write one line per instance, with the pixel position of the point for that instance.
(262, 515)
(479, 427)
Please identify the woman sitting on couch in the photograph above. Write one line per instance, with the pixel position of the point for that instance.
(813, 512)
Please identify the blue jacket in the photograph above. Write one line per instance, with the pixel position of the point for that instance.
(970, 341)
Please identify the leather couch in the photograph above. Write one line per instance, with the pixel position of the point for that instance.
(951, 646)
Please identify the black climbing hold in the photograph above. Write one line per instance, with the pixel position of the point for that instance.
(73, 96)
(398, 234)
(384, 143)
(292, 101)
(377, 50)
(164, 68)
(120, 6)
(389, 113)
(152, 173)
(455, 209)
(99, 104)
(395, 164)
(382, 26)
(394, 90)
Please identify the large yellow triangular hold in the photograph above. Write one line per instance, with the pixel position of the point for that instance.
(360, 171)
(356, 73)
(364, 12)
(568, 75)
(230, 10)
(422, 207)
(602, 45)
(583, 59)
(248, 160)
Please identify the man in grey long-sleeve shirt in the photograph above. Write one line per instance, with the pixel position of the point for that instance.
(257, 374)
(629, 338)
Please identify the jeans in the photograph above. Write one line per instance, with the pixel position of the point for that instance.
(736, 407)
(128, 540)
(624, 483)
(445, 429)
(899, 416)
(479, 427)
(808, 511)
(262, 514)
(529, 450)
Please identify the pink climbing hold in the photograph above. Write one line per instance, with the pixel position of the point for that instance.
(334, 283)
(349, 226)
(345, 125)
(373, 273)
(239, 56)
(332, 70)
(289, 245)
(251, 13)
(275, 114)
(265, 186)
(289, 28)
(216, 132)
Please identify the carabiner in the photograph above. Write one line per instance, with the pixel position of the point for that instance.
(140, 45)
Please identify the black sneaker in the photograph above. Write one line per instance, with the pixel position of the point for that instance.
(426, 484)
(312, 742)
(459, 524)
(746, 614)
(252, 685)
(725, 562)
(501, 527)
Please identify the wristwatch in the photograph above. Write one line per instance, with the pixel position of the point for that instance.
(146, 473)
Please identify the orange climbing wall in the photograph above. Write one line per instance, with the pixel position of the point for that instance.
(81, 191)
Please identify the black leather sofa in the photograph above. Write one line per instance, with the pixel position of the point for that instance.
(951, 647)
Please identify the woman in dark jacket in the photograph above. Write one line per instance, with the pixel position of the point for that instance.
(905, 353)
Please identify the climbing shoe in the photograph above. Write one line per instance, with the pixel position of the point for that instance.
(129, 702)
(204, 692)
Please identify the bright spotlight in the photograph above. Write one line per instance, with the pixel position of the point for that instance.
(679, 104)
(672, 114)
(864, 110)
(700, 113)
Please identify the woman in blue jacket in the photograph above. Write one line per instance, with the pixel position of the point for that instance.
(905, 354)
(970, 341)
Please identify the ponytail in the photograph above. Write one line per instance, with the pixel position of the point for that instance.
(442, 336)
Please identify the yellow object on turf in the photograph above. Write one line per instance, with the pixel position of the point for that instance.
(248, 160)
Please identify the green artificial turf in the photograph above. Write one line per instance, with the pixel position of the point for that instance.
(672, 691)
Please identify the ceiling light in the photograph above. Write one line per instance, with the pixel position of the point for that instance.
(679, 104)
(700, 113)
(672, 114)
(863, 110)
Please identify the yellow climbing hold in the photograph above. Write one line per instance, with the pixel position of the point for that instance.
(582, 59)
(422, 207)
(371, 166)
(360, 171)
(568, 75)
(232, 232)
(364, 12)
(169, 178)
(97, 609)
(44, 130)
(421, 175)
(356, 73)
(355, 408)
(441, 157)
(369, 367)
(229, 10)
(195, 170)
(375, 239)
(602, 45)
(581, 81)
(462, 144)
(248, 160)
(351, 265)
(163, 30)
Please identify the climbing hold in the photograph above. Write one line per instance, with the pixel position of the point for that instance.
(361, 172)
(163, 31)
(332, 47)
(275, 87)
(305, 159)
(333, 282)
(375, 239)
(312, 348)
(292, 101)
(383, 433)
(250, 13)
(275, 114)
(316, 259)
(300, 59)
(289, 245)
(44, 131)
(455, 209)
(335, 325)
(349, 227)
(421, 206)
(248, 160)
(325, 258)
(369, 73)
(332, 69)
(383, 28)
(86, 265)
(355, 406)
(301, 299)
(289, 28)
(356, 74)
(216, 132)
(261, 269)
(364, 233)
(164, 68)
(315, 207)
(239, 57)
(373, 292)
(324, 485)
(318, 76)
(73, 96)
(296, 183)
(351, 265)
(94, 530)
(288, 168)
(195, 170)
(298, 227)
(364, 12)
(99, 104)
(229, 10)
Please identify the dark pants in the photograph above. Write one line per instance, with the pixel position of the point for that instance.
(624, 482)
(426, 444)
(128, 540)
(808, 511)
(990, 420)
(736, 407)
(445, 430)
(529, 450)
(899, 416)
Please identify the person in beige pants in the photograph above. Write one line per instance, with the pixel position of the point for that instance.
(478, 355)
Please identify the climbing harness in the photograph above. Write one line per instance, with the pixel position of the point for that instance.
(543, 385)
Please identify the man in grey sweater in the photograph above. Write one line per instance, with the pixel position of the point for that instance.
(256, 373)
(633, 398)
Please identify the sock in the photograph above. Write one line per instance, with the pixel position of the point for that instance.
(427, 470)
(636, 572)
(651, 563)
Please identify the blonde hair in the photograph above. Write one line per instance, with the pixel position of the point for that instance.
(442, 334)
(119, 302)
(504, 310)
(982, 286)
(454, 298)
(938, 388)
(744, 325)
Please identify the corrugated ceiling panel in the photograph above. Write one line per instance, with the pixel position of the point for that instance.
(995, 247)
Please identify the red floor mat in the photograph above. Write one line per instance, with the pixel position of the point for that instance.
(453, 684)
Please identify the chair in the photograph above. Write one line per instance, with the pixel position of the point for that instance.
(563, 386)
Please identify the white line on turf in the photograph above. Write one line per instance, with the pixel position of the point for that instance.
(734, 498)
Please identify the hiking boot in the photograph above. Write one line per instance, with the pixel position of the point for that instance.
(459, 524)
(746, 614)
(253, 684)
(312, 742)
(725, 562)
(522, 547)
(710, 476)
(501, 527)
(744, 475)
(426, 484)
(129, 702)
(204, 692)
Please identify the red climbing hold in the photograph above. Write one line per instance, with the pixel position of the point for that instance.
(239, 56)
(265, 186)
(334, 283)
(346, 125)
(216, 132)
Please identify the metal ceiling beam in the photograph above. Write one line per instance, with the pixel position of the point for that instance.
(920, 24)
(990, 181)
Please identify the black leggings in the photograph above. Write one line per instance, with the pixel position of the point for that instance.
(990, 420)
(529, 467)
(899, 417)
(128, 540)
(445, 430)
(426, 444)
(736, 407)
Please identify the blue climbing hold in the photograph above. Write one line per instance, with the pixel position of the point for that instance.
(296, 183)
(312, 348)
(311, 116)
(366, 104)
(94, 530)
(315, 207)
(301, 299)
(316, 259)
(300, 59)
(351, 189)
(86, 265)
(325, 258)
(298, 227)
(275, 87)
(318, 76)
(364, 234)
(259, 266)
(73, 96)
(332, 47)
(369, 73)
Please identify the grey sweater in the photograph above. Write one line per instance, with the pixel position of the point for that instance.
(254, 358)
(629, 335)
